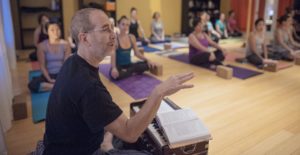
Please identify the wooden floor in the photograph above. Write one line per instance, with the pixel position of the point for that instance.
(260, 115)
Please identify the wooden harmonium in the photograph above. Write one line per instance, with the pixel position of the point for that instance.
(156, 141)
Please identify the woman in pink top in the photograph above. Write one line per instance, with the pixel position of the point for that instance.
(232, 28)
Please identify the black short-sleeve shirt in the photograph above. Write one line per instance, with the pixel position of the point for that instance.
(79, 108)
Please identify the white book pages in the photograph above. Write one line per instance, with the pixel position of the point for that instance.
(186, 133)
(164, 107)
(182, 127)
(179, 115)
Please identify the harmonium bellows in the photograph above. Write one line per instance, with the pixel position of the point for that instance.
(154, 141)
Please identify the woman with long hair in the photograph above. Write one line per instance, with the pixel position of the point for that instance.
(122, 66)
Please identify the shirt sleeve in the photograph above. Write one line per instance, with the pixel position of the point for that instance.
(98, 109)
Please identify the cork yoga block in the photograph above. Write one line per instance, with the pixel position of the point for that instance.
(157, 70)
(224, 72)
(142, 51)
(297, 60)
(19, 107)
(167, 46)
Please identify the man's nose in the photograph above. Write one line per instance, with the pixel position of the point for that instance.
(112, 36)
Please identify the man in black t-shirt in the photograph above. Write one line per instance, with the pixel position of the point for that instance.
(80, 108)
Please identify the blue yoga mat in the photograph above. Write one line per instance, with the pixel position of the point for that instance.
(162, 41)
(150, 49)
(238, 72)
(39, 101)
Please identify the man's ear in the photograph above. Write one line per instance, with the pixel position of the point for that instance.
(83, 38)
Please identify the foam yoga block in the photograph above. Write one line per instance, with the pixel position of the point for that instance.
(157, 70)
(224, 72)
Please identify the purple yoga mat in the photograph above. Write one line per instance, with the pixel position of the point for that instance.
(238, 72)
(137, 86)
(243, 73)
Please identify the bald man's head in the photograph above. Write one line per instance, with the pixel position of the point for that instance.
(81, 22)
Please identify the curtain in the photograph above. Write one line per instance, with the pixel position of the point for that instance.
(3, 150)
(261, 9)
(240, 7)
(6, 93)
(282, 5)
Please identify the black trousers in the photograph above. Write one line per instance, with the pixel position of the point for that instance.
(128, 70)
(214, 37)
(283, 55)
(255, 60)
(203, 59)
(35, 84)
(235, 34)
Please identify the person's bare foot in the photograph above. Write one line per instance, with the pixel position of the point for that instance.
(107, 142)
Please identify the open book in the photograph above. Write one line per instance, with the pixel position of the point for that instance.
(182, 127)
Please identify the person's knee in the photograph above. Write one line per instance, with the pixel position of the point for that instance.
(254, 60)
(141, 66)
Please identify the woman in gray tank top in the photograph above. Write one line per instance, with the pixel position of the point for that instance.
(285, 47)
(157, 28)
(51, 55)
(256, 48)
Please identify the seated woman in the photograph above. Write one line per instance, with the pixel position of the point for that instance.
(232, 28)
(256, 49)
(122, 67)
(199, 53)
(285, 47)
(214, 35)
(291, 12)
(221, 26)
(51, 55)
(294, 33)
(135, 27)
(157, 29)
(39, 35)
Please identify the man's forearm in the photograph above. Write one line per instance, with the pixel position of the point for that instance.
(140, 121)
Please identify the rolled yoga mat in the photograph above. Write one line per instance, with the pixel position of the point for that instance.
(39, 101)
(238, 72)
(150, 49)
(137, 86)
(162, 41)
(174, 45)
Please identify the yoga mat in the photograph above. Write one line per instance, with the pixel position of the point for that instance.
(243, 73)
(284, 65)
(158, 42)
(150, 49)
(35, 65)
(39, 101)
(137, 86)
(238, 72)
(232, 56)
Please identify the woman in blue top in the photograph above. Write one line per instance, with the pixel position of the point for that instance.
(122, 66)
(221, 27)
(51, 55)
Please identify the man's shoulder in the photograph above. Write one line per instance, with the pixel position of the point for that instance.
(77, 75)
